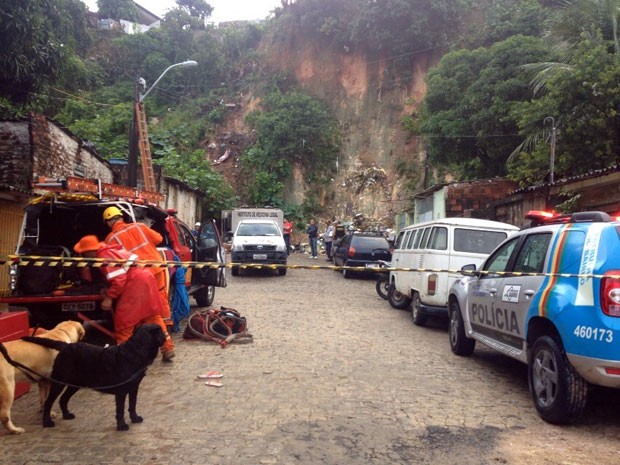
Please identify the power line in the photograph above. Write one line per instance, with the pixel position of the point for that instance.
(77, 97)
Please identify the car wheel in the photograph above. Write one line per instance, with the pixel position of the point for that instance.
(418, 318)
(281, 271)
(459, 342)
(382, 287)
(204, 296)
(559, 392)
(396, 299)
(235, 270)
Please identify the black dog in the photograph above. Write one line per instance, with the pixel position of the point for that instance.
(114, 370)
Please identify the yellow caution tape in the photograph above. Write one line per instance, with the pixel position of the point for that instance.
(82, 262)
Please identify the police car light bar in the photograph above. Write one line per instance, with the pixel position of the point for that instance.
(540, 215)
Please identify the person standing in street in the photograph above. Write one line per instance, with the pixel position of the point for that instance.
(328, 237)
(138, 238)
(196, 230)
(313, 232)
(133, 288)
(287, 230)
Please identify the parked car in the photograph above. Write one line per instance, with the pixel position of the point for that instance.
(365, 250)
(548, 296)
(54, 222)
(444, 244)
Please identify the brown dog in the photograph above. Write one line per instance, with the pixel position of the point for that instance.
(37, 358)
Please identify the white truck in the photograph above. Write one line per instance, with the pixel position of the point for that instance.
(231, 218)
(256, 235)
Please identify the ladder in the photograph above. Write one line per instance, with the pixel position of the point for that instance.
(145, 148)
(102, 190)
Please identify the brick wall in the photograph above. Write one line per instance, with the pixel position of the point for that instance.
(58, 154)
(15, 156)
(476, 198)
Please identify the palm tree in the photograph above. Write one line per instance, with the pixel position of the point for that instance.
(570, 22)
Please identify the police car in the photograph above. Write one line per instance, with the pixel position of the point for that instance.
(548, 296)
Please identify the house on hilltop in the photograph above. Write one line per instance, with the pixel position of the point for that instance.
(146, 20)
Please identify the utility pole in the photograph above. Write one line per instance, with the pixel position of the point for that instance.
(552, 154)
(139, 136)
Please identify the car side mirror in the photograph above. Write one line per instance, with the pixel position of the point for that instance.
(469, 270)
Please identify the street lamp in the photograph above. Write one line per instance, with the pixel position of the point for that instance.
(138, 138)
(187, 63)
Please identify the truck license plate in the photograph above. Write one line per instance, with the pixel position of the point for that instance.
(372, 265)
(260, 256)
(78, 306)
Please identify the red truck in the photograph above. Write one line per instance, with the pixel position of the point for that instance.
(56, 220)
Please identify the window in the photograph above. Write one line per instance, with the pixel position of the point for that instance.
(411, 238)
(418, 237)
(425, 234)
(370, 242)
(188, 238)
(499, 260)
(257, 229)
(439, 238)
(405, 239)
(477, 240)
(208, 236)
(531, 258)
(399, 240)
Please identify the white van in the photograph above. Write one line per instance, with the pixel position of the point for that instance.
(439, 249)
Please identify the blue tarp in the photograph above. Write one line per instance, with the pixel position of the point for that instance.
(180, 300)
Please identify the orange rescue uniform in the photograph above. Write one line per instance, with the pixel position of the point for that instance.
(139, 239)
(135, 293)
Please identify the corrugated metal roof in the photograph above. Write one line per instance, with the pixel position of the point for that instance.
(578, 177)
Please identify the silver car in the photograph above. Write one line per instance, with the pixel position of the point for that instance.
(548, 296)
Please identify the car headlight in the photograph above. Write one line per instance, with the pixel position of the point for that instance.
(237, 247)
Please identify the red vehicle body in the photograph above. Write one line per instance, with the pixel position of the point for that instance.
(54, 222)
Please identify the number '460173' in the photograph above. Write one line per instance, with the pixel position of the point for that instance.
(596, 334)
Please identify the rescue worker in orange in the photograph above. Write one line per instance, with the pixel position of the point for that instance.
(141, 240)
(133, 288)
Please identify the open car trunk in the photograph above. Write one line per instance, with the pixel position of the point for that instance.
(54, 223)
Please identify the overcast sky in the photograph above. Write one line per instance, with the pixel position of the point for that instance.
(223, 10)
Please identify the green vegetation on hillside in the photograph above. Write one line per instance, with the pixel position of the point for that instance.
(507, 65)
(485, 109)
(293, 129)
(469, 119)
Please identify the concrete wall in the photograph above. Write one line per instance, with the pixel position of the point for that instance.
(185, 200)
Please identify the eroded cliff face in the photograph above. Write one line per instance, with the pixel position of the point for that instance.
(370, 102)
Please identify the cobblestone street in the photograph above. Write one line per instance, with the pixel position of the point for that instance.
(334, 376)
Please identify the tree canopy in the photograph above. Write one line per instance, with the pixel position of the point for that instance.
(507, 66)
(40, 38)
(293, 129)
(486, 110)
(468, 121)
